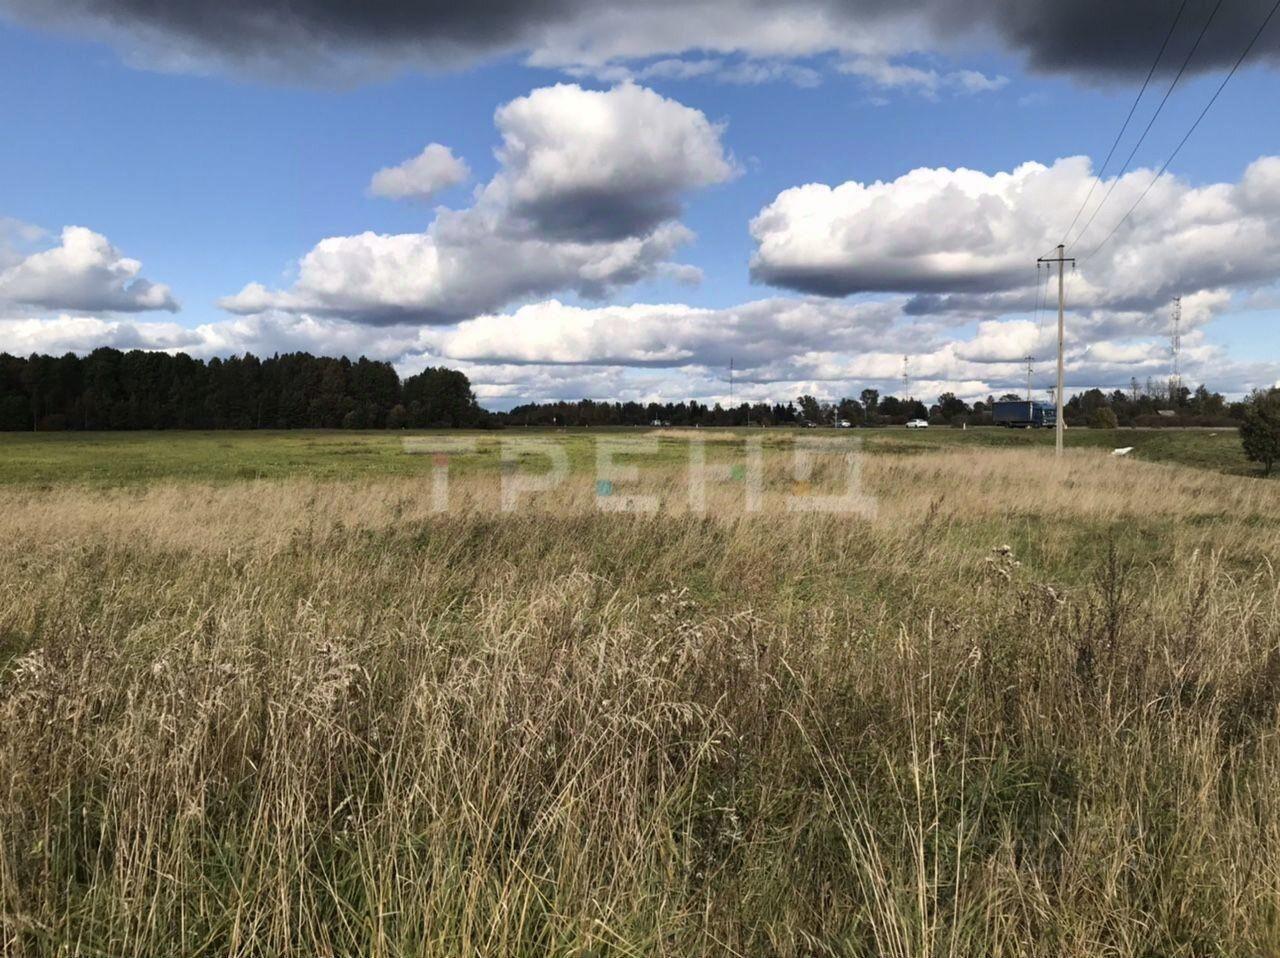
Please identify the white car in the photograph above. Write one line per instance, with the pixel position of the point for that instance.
(917, 424)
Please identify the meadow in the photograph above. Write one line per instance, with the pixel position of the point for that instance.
(261, 695)
(107, 459)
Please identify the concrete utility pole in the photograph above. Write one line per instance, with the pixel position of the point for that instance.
(1030, 369)
(1062, 261)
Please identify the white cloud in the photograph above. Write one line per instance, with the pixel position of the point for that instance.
(884, 74)
(973, 81)
(82, 334)
(85, 273)
(666, 335)
(586, 164)
(965, 240)
(586, 200)
(17, 239)
(430, 172)
(780, 348)
(737, 71)
(465, 264)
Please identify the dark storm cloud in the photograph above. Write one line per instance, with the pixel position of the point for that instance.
(1120, 38)
(251, 27)
(1090, 39)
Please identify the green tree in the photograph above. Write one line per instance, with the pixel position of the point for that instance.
(850, 410)
(952, 408)
(1103, 418)
(810, 408)
(439, 397)
(1260, 431)
(870, 402)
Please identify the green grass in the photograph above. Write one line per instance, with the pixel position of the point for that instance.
(1215, 449)
(134, 458)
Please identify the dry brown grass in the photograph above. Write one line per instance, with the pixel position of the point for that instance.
(302, 718)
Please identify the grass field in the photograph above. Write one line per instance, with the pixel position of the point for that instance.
(260, 698)
(143, 457)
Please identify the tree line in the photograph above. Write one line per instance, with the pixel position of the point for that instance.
(1154, 404)
(111, 389)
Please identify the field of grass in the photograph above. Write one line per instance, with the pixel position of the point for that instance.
(108, 459)
(261, 697)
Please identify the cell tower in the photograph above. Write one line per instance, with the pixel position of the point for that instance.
(906, 378)
(1175, 348)
(1031, 366)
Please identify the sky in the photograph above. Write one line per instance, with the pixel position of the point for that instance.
(608, 200)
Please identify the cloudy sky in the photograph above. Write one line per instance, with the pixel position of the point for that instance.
(571, 198)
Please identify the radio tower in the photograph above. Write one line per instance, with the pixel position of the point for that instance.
(906, 378)
(1031, 365)
(1175, 347)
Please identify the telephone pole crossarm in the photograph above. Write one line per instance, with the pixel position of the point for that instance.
(1062, 261)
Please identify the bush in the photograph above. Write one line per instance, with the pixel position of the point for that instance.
(1260, 431)
(397, 417)
(1103, 418)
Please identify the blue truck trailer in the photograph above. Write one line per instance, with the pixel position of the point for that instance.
(1024, 414)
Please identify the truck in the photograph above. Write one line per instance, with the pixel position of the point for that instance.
(1024, 414)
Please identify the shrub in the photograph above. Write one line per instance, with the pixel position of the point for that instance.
(1103, 418)
(397, 417)
(1260, 431)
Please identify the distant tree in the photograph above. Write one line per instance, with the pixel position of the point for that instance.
(951, 408)
(1260, 431)
(439, 397)
(810, 408)
(850, 410)
(1103, 417)
(870, 402)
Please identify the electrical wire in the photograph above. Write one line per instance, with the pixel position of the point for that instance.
(1097, 177)
(1165, 99)
(1187, 135)
(1042, 292)
(1042, 299)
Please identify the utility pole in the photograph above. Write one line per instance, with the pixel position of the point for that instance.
(1030, 368)
(906, 378)
(1062, 261)
(1175, 346)
(730, 382)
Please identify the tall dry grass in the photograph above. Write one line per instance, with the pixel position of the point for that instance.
(304, 719)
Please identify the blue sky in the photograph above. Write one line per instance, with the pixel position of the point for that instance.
(214, 176)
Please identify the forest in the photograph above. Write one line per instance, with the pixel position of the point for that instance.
(109, 389)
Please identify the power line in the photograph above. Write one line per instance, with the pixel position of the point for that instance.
(1042, 299)
(1097, 177)
(1187, 135)
(1042, 292)
(1165, 99)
